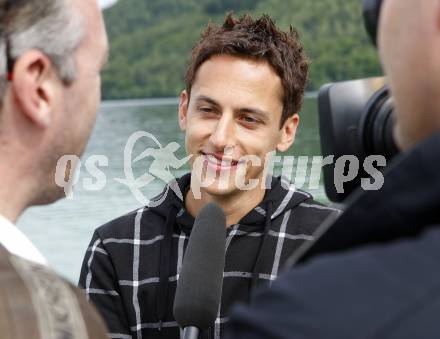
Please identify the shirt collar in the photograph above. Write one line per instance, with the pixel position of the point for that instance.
(16, 242)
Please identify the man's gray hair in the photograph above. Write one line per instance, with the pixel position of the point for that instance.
(51, 26)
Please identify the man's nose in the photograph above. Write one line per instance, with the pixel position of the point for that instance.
(224, 133)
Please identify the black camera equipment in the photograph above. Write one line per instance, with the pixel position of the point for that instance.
(355, 118)
(371, 13)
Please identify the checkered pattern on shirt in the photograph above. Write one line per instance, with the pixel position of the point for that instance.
(120, 273)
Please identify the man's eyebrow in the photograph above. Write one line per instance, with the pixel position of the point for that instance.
(260, 113)
(207, 99)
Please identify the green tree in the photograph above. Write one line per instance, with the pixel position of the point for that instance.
(151, 40)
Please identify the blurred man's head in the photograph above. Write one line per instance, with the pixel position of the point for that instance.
(409, 44)
(52, 51)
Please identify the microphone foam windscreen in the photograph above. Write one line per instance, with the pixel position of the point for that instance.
(199, 286)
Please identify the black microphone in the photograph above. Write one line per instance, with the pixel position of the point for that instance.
(199, 287)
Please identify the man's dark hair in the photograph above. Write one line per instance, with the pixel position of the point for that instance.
(261, 40)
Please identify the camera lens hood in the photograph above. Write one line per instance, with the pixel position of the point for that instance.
(371, 14)
(376, 125)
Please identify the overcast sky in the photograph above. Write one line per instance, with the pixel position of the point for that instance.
(105, 3)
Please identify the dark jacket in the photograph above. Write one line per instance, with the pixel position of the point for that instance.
(374, 274)
(132, 265)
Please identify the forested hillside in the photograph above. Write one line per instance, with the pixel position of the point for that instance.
(151, 40)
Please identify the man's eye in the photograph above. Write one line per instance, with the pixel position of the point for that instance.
(249, 119)
(206, 109)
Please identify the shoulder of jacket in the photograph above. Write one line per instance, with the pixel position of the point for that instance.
(314, 210)
(121, 225)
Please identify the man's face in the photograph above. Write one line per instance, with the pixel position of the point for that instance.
(82, 98)
(409, 44)
(234, 111)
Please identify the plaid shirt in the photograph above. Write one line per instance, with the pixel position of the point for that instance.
(122, 267)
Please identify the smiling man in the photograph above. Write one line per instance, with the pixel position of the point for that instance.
(232, 112)
(244, 87)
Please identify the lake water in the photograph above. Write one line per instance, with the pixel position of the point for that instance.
(63, 230)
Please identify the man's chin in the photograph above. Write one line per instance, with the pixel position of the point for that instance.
(225, 189)
(399, 140)
(49, 196)
(218, 190)
(405, 141)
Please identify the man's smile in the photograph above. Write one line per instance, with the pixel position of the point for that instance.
(219, 161)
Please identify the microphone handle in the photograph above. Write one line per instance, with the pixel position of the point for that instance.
(190, 332)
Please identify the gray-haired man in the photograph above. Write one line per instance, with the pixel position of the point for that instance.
(51, 54)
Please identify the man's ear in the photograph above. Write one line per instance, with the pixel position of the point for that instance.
(183, 109)
(288, 132)
(33, 84)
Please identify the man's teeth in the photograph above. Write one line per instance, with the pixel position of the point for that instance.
(225, 163)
